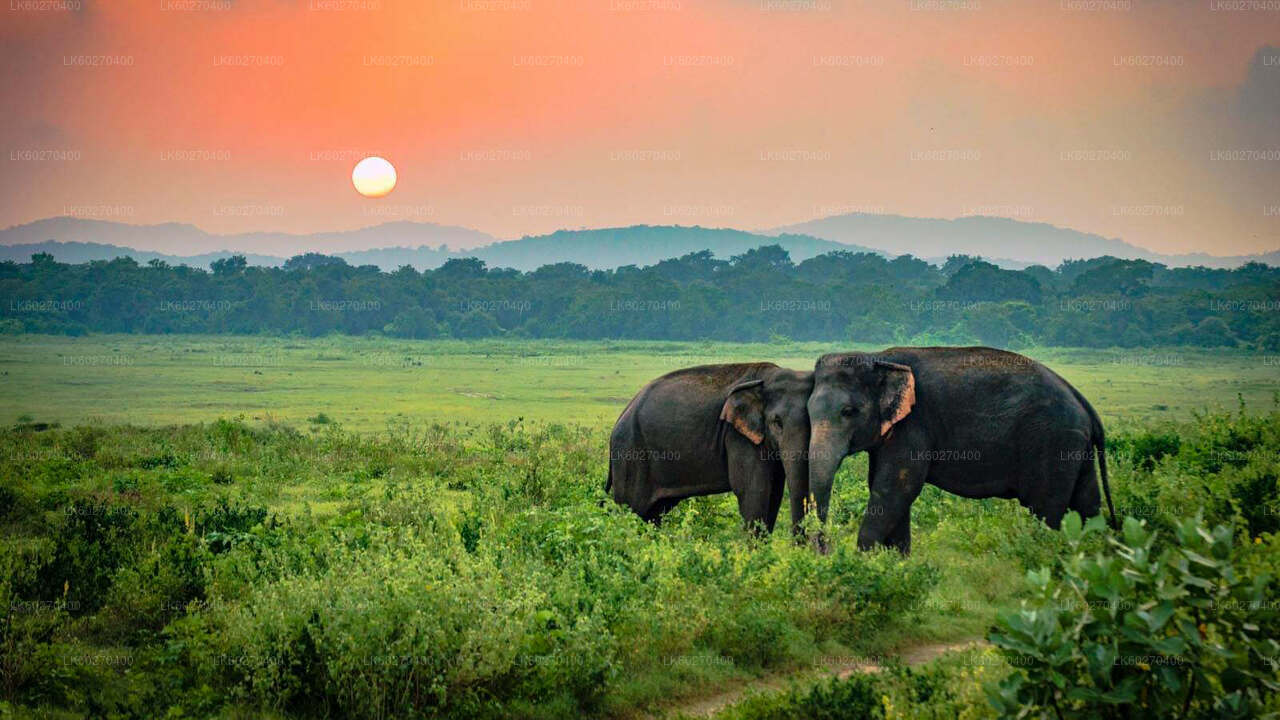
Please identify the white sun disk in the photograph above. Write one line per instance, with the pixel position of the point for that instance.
(373, 177)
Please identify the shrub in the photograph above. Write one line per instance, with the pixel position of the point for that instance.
(1147, 448)
(856, 697)
(92, 540)
(1130, 633)
(404, 626)
(26, 625)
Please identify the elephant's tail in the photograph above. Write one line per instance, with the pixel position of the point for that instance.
(608, 481)
(1100, 442)
(1100, 446)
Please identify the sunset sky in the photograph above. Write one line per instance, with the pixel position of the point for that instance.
(1155, 122)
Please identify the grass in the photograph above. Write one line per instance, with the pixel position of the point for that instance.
(362, 383)
(369, 504)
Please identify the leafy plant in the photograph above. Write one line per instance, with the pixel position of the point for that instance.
(1126, 633)
(856, 696)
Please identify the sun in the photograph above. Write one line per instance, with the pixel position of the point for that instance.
(373, 177)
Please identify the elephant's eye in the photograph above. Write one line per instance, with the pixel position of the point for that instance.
(776, 420)
(848, 411)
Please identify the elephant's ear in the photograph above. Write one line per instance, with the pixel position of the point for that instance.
(744, 409)
(897, 396)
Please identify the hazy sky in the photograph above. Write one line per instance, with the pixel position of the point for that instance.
(1155, 122)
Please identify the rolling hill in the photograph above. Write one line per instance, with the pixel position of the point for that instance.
(1010, 243)
(183, 240)
(597, 249)
(1014, 242)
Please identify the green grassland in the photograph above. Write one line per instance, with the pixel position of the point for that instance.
(195, 540)
(362, 383)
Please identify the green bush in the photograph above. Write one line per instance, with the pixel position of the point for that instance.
(854, 698)
(27, 625)
(92, 540)
(1130, 633)
(406, 625)
(1146, 449)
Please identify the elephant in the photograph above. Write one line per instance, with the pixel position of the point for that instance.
(713, 429)
(974, 421)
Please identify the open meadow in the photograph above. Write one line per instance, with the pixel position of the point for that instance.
(364, 383)
(240, 527)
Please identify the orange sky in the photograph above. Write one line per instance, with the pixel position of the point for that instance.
(522, 116)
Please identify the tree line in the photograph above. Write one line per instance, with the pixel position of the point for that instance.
(760, 295)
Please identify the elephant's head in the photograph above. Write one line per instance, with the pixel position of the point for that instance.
(772, 412)
(855, 403)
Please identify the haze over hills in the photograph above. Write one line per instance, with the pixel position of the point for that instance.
(183, 240)
(82, 252)
(1011, 243)
(597, 249)
(994, 238)
(643, 245)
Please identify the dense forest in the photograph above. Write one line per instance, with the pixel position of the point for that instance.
(760, 295)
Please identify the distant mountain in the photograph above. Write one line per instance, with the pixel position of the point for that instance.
(390, 258)
(643, 245)
(182, 240)
(1004, 241)
(597, 249)
(82, 252)
(1009, 243)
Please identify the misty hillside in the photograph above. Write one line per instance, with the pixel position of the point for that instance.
(183, 240)
(643, 245)
(82, 252)
(597, 249)
(1009, 243)
(994, 238)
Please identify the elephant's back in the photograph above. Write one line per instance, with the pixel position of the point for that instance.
(679, 413)
(993, 384)
(981, 369)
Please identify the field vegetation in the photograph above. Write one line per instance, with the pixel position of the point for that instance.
(364, 383)
(461, 567)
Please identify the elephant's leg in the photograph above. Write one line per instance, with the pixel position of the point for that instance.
(658, 509)
(1086, 497)
(798, 493)
(775, 497)
(899, 475)
(751, 478)
(900, 537)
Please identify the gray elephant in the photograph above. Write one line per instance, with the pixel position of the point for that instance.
(977, 422)
(713, 429)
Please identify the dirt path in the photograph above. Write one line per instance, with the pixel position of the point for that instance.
(841, 667)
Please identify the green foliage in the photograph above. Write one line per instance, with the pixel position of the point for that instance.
(454, 573)
(1224, 465)
(91, 541)
(854, 698)
(978, 280)
(27, 624)
(948, 688)
(862, 297)
(1146, 449)
(1129, 632)
(472, 571)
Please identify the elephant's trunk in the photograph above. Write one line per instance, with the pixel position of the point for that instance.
(824, 460)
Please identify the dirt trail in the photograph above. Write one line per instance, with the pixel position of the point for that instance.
(841, 667)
